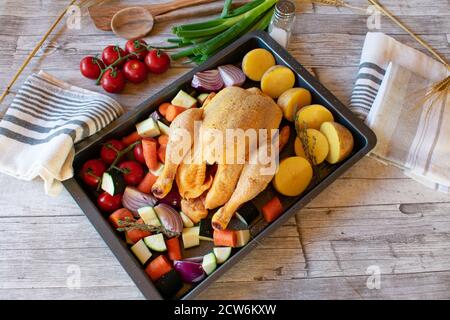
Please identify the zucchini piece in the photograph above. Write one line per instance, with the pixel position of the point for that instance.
(149, 216)
(141, 251)
(148, 128)
(163, 128)
(182, 99)
(243, 237)
(156, 242)
(169, 284)
(191, 237)
(222, 254)
(209, 263)
(202, 97)
(187, 222)
(113, 182)
(247, 213)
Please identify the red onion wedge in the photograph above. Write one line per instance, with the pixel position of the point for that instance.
(169, 218)
(207, 81)
(133, 199)
(232, 75)
(190, 272)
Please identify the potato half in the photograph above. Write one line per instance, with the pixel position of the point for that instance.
(340, 141)
(256, 62)
(293, 176)
(292, 100)
(313, 116)
(277, 80)
(318, 146)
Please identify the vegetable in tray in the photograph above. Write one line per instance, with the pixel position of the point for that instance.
(197, 210)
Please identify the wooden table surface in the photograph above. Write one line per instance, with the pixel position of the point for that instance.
(373, 217)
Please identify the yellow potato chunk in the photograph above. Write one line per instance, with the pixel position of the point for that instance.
(293, 176)
(318, 146)
(277, 80)
(292, 100)
(256, 62)
(313, 116)
(340, 141)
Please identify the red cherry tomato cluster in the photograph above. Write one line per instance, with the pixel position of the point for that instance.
(117, 66)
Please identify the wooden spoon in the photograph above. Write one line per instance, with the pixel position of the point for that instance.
(126, 22)
(132, 23)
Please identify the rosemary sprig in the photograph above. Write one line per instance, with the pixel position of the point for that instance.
(302, 133)
(128, 224)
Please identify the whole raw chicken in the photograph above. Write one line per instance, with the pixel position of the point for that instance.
(233, 183)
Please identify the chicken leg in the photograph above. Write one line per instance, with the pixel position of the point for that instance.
(185, 121)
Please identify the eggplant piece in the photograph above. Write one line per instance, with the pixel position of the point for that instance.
(247, 213)
(206, 229)
(155, 115)
(169, 284)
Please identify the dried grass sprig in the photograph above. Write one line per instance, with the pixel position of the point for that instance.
(337, 4)
(302, 134)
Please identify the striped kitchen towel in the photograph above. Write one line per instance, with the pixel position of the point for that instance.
(392, 82)
(378, 51)
(42, 124)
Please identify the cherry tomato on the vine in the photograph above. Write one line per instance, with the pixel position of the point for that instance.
(135, 71)
(110, 149)
(92, 171)
(109, 203)
(91, 67)
(111, 53)
(113, 81)
(157, 61)
(137, 46)
(132, 172)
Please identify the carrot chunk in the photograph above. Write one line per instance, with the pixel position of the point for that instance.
(158, 267)
(149, 146)
(130, 139)
(173, 248)
(162, 153)
(163, 139)
(120, 215)
(147, 183)
(272, 209)
(226, 238)
(135, 234)
(163, 108)
(173, 112)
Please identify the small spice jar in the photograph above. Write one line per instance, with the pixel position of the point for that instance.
(282, 22)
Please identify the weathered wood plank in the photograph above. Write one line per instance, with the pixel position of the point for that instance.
(398, 239)
(415, 286)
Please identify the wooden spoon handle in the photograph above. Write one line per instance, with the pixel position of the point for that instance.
(158, 9)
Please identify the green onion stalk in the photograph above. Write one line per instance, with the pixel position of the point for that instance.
(210, 36)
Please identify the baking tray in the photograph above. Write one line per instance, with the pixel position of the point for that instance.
(364, 139)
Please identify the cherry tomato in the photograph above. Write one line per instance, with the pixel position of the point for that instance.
(109, 203)
(109, 150)
(135, 71)
(92, 171)
(113, 81)
(139, 46)
(157, 61)
(139, 153)
(132, 172)
(91, 67)
(111, 53)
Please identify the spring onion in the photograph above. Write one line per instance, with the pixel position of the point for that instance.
(219, 32)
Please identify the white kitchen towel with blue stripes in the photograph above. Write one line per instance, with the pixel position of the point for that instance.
(42, 124)
(392, 82)
(378, 51)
